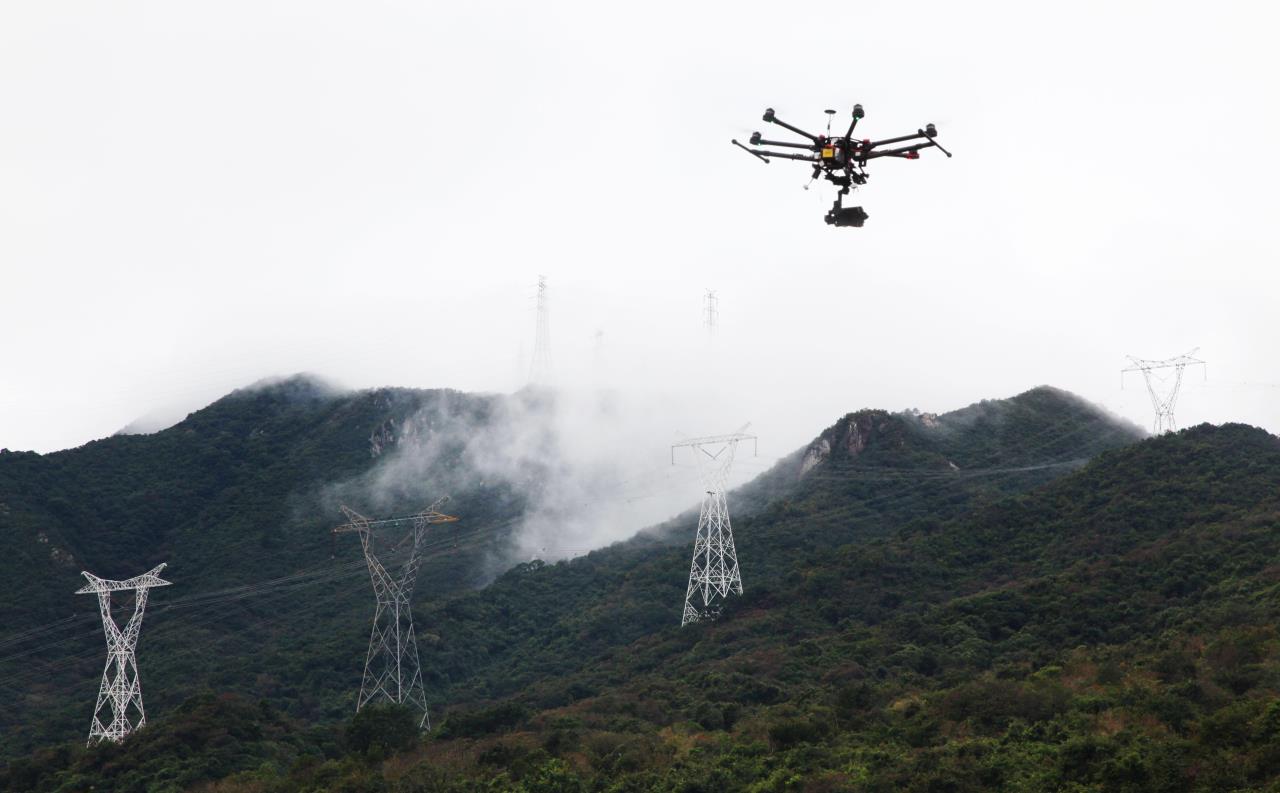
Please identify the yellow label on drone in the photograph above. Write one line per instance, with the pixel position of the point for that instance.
(828, 153)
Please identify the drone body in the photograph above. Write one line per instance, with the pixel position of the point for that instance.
(841, 160)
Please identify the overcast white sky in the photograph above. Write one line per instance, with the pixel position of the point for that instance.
(197, 195)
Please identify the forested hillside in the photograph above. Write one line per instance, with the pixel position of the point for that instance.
(849, 567)
(239, 499)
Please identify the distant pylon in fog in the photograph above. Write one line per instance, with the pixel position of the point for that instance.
(714, 574)
(540, 372)
(710, 311)
(1164, 396)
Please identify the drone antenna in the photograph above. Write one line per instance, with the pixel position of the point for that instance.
(754, 153)
(817, 171)
(830, 115)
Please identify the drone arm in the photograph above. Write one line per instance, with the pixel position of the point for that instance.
(764, 142)
(752, 152)
(858, 113)
(899, 139)
(771, 118)
(929, 133)
(784, 155)
(904, 151)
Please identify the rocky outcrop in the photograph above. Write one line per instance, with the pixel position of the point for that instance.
(849, 437)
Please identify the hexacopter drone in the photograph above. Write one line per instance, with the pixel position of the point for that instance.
(841, 160)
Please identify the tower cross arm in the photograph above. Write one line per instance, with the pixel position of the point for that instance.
(432, 514)
(436, 517)
(710, 439)
(148, 579)
(1144, 364)
(355, 521)
(358, 522)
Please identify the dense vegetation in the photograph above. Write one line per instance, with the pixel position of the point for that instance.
(932, 603)
(240, 493)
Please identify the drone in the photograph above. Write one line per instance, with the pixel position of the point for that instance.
(841, 160)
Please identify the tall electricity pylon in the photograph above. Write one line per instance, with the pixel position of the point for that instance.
(540, 370)
(710, 311)
(392, 671)
(1163, 396)
(714, 574)
(121, 691)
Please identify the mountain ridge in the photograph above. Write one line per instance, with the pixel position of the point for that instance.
(1112, 629)
(834, 507)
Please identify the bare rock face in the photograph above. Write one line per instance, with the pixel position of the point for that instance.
(382, 438)
(58, 555)
(850, 434)
(857, 434)
(392, 433)
(818, 451)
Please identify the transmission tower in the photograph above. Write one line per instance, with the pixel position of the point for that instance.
(710, 311)
(540, 370)
(121, 691)
(714, 572)
(391, 668)
(1163, 389)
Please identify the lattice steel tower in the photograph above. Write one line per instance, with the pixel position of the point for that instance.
(1164, 395)
(540, 372)
(710, 311)
(392, 671)
(714, 573)
(121, 691)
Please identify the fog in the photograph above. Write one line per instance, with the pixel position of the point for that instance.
(195, 197)
(592, 468)
(580, 468)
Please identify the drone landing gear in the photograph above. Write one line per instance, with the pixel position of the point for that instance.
(841, 216)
